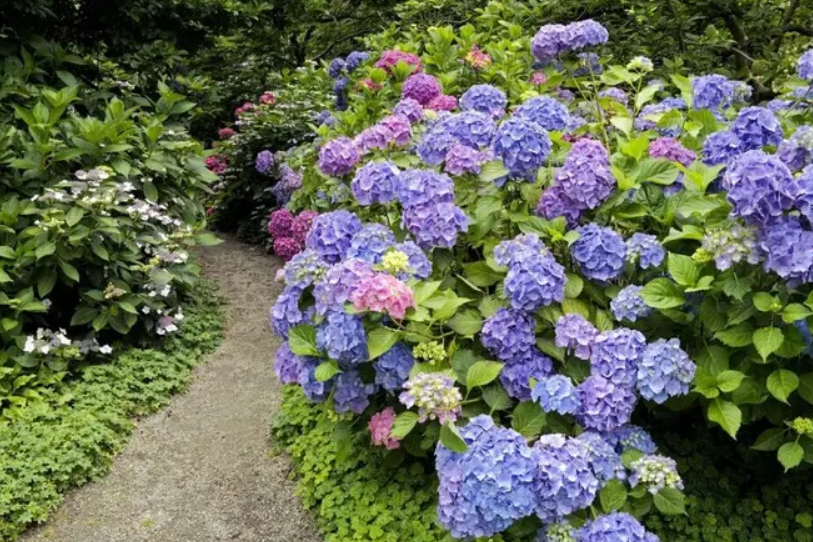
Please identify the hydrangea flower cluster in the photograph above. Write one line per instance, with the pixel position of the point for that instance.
(535, 279)
(332, 233)
(435, 224)
(338, 157)
(564, 481)
(655, 472)
(615, 526)
(333, 289)
(380, 426)
(664, 371)
(645, 250)
(553, 40)
(350, 393)
(289, 232)
(804, 67)
(286, 314)
(343, 338)
(523, 146)
(370, 243)
(628, 304)
(435, 395)
(631, 437)
(264, 162)
(731, 244)
(599, 252)
(509, 335)
(545, 111)
(760, 187)
(486, 99)
(712, 91)
(383, 293)
(576, 335)
(287, 365)
(797, 151)
(616, 354)
(556, 394)
(671, 149)
(421, 87)
(462, 159)
(604, 405)
(393, 366)
(604, 461)
(516, 377)
(757, 127)
(389, 59)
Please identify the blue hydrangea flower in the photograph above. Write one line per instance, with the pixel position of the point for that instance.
(485, 489)
(556, 202)
(575, 334)
(788, 249)
(509, 335)
(371, 243)
(375, 182)
(643, 123)
(418, 187)
(589, 63)
(287, 365)
(304, 269)
(631, 437)
(587, 33)
(435, 224)
(776, 105)
(336, 67)
(286, 313)
(549, 42)
(350, 393)
(515, 377)
(564, 481)
(462, 159)
(757, 127)
(375, 137)
(604, 461)
(523, 146)
(586, 172)
(333, 290)
(486, 99)
(655, 472)
(615, 527)
(537, 281)
(324, 117)
(514, 251)
(600, 252)
(804, 199)
(338, 157)
(664, 371)
(760, 187)
(628, 304)
(472, 128)
(797, 151)
(419, 265)
(314, 390)
(603, 405)
(614, 93)
(646, 250)
(721, 148)
(410, 109)
(392, 368)
(545, 111)
(615, 355)
(355, 59)
(711, 91)
(804, 67)
(556, 394)
(331, 234)
(436, 143)
(730, 244)
(343, 338)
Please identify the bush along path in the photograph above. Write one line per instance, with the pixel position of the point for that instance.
(200, 470)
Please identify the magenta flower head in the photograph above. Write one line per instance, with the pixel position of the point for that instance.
(302, 225)
(390, 59)
(383, 293)
(338, 157)
(286, 247)
(280, 222)
(400, 128)
(444, 102)
(421, 87)
(380, 427)
(670, 148)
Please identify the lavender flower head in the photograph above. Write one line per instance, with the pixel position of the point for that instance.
(486, 99)
(664, 371)
(604, 461)
(421, 87)
(516, 377)
(537, 281)
(350, 393)
(472, 128)
(338, 157)
(787, 246)
(617, 526)
(545, 111)
(409, 108)
(418, 187)
(555, 202)
(646, 250)
(314, 390)
(513, 251)
(616, 94)
(575, 334)
(760, 187)
(375, 182)
(603, 405)
(264, 162)
(462, 159)
(721, 148)
(586, 172)
(757, 127)
(797, 151)
(711, 91)
(631, 437)
(804, 67)
(435, 224)
(564, 482)
(343, 338)
(331, 234)
(334, 289)
(377, 136)
(628, 304)
(556, 394)
(435, 395)
(400, 129)
(616, 355)
(599, 252)
(370, 243)
(509, 335)
(286, 314)
(671, 149)
(436, 143)
(524, 146)
(304, 269)
(549, 42)
(287, 365)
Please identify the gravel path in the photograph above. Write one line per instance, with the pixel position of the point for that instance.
(199, 471)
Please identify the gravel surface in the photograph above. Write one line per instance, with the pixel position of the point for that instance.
(199, 471)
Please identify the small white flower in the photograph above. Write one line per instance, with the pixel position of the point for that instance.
(29, 345)
(106, 349)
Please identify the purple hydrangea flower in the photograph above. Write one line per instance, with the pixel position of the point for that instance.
(331, 234)
(617, 526)
(523, 146)
(486, 99)
(487, 488)
(615, 355)
(535, 282)
(371, 242)
(515, 377)
(604, 461)
(285, 313)
(804, 199)
(545, 111)
(711, 91)
(472, 128)
(646, 250)
(336, 67)
(614, 93)
(600, 252)
(462, 159)
(797, 151)
(419, 187)
(410, 109)
(760, 187)
(805, 65)
(304, 269)
(628, 305)
(436, 143)
(555, 202)
(509, 335)
(287, 365)
(556, 394)
(586, 172)
(757, 127)
(788, 249)
(264, 162)
(575, 334)
(603, 405)
(435, 224)
(393, 366)
(631, 437)
(350, 393)
(588, 33)
(343, 338)
(355, 59)
(324, 117)
(420, 87)
(419, 265)
(564, 482)
(549, 42)
(375, 182)
(377, 136)
(333, 290)
(671, 149)
(513, 251)
(721, 148)
(314, 390)
(777, 105)
(338, 157)
(664, 371)
(399, 127)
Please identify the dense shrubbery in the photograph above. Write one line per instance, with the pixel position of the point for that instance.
(100, 200)
(72, 435)
(613, 241)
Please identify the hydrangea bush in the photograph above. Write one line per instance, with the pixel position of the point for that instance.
(606, 243)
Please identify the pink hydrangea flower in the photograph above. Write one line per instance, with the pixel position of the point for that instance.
(671, 149)
(369, 84)
(444, 102)
(302, 225)
(225, 133)
(216, 163)
(538, 78)
(247, 106)
(380, 426)
(477, 59)
(385, 294)
(280, 222)
(268, 98)
(389, 59)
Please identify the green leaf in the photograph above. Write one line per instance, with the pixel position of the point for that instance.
(613, 496)
(482, 373)
(781, 383)
(69, 270)
(794, 312)
(790, 455)
(767, 340)
(45, 249)
(765, 302)
(74, 216)
(424, 290)
(466, 322)
(480, 274)
(302, 341)
(770, 440)
(670, 501)
(661, 172)
(451, 439)
(46, 281)
(7, 252)
(528, 419)
(326, 370)
(83, 315)
(207, 240)
(806, 387)
(573, 286)
(729, 381)
(380, 340)
(726, 414)
(100, 251)
(496, 397)
(737, 336)
(683, 269)
(150, 191)
(491, 171)
(662, 293)
(403, 424)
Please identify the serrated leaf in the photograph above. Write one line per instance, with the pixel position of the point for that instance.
(770, 440)
(790, 455)
(662, 293)
(380, 340)
(726, 414)
(613, 496)
(630, 456)
(424, 290)
(466, 322)
(794, 312)
(403, 424)
(765, 302)
(480, 274)
(806, 387)
(781, 383)
(683, 269)
(491, 171)
(497, 398)
(482, 373)
(302, 340)
(326, 370)
(451, 439)
(573, 286)
(670, 501)
(528, 419)
(729, 381)
(767, 340)
(737, 336)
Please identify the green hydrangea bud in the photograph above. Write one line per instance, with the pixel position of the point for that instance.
(395, 261)
(432, 352)
(702, 255)
(640, 63)
(803, 426)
